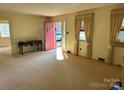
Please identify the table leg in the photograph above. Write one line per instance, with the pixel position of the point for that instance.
(21, 50)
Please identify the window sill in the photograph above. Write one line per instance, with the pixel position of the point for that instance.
(82, 40)
(118, 44)
(4, 37)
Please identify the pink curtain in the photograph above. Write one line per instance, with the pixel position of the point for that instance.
(49, 34)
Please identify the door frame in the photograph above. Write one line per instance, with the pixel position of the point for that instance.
(63, 31)
(11, 32)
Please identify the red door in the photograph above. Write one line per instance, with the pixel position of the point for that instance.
(49, 35)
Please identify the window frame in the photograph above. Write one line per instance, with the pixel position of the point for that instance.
(121, 30)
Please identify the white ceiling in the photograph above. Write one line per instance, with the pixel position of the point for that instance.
(48, 9)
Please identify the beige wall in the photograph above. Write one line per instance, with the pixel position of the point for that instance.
(101, 30)
(4, 41)
(118, 58)
(23, 27)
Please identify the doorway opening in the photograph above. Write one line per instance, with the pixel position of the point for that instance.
(5, 44)
(60, 33)
(58, 26)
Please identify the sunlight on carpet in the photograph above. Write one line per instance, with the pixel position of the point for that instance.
(59, 54)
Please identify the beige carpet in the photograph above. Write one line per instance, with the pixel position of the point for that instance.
(41, 70)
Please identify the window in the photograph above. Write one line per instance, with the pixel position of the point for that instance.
(121, 33)
(82, 32)
(4, 30)
(58, 31)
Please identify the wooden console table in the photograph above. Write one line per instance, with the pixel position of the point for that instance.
(37, 43)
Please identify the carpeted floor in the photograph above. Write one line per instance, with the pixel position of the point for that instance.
(41, 70)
